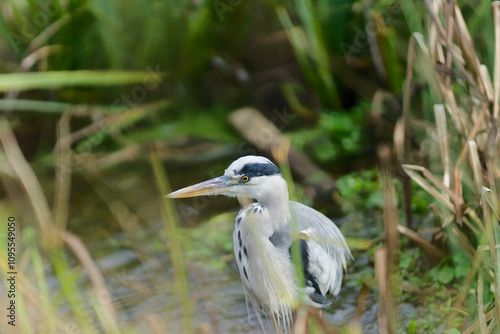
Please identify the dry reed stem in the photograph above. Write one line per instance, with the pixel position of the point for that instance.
(476, 230)
(386, 257)
(431, 250)
(402, 140)
(485, 77)
(434, 79)
(390, 210)
(473, 328)
(100, 289)
(300, 323)
(432, 10)
(434, 181)
(110, 122)
(428, 187)
(378, 23)
(440, 116)
(467, 46)
(156, 323)
(491, 217)
(128, 153)
(459, 193)
(42, 53)
(496, 73)
(466, 49)
(364, 293)
(490, 175)
(63, 173)
(386, 310)
(461, 158)
(486, 248)
(52, 29)
(473, 215)
(30, 183)
(433, 33)
(476, 166)
(449, 34)
(482, 317)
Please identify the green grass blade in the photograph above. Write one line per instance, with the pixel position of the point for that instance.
(33, 105)
(37, 262)
(170, 219)
(59, 79)
(69, 286)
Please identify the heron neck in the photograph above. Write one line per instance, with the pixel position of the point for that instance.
(277, 203)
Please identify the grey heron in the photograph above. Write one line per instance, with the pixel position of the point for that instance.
(263, 235)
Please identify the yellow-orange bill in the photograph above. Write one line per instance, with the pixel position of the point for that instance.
(214, 186)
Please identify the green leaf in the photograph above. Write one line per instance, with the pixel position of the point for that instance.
(58, 79)
(452, 331)
(461, 270)
(412, 327)
(446, 274)
(406, 261)
(433, 272)
(462, 264)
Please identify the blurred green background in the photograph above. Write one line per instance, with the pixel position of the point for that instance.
(108, 105)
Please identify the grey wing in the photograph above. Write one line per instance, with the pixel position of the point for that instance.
(327, 249)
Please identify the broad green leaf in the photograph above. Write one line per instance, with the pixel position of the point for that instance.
(461, 270)
(446, 274)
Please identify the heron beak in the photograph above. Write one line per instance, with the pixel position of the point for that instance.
(215, 186)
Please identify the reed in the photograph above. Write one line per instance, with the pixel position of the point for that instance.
(461, 150)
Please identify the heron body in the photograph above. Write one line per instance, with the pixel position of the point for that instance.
(263, 235)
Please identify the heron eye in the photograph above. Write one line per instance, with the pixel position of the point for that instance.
(245, 178)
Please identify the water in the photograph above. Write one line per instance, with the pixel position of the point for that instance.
(144, 289)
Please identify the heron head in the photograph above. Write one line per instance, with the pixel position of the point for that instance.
(249, 176)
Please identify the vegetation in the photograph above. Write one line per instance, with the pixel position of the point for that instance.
(106, 106)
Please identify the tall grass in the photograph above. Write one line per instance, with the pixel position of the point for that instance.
(49, 243)
(170, 220)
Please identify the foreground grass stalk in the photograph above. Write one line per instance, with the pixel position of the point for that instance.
(29, 181)
(491, 219)
(496, 16)
(102, 301)
(36, 260)
(281, 155)
(69, 285)
(386, 256)
(171, 222)
(23, 316)
(58, 79)
(63, 175)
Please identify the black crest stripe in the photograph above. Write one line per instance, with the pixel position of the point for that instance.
(259, 169)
